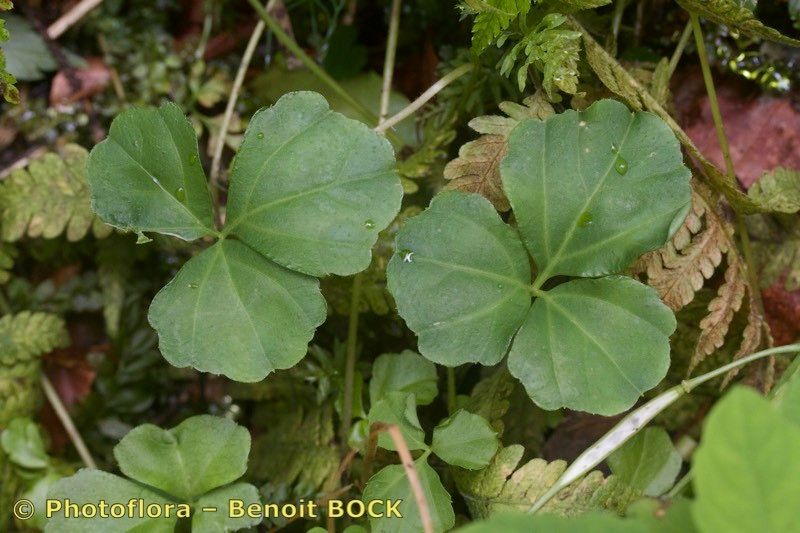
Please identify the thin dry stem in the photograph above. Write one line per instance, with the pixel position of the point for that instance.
(71, 17)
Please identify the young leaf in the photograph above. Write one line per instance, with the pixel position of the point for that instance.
(221, 521)
(566, 355)
(648, 462)
(399, 408)
(22, 441)
(198, 455)
(491, 18)
(49, 197)
(27, 56)
(391, 483)
(146, 176)
(403, 372)
(465, 440)
(231, 311)
(737, 17)
(460, 250)
(747, 467)
(311, 189)
(90, 486)
(629, 190)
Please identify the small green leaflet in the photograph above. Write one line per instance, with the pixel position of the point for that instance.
(466, 440)
(403, 372)
(612, 331)
(401, 409)
(191, 464)
(391, 483)
(648, 462)
(146, 176)
(230, 301)
(310, 191)
(591, 191)
(22, 441)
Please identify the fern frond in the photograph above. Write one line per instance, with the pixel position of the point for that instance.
(681, 268)
(504, 485)
(714, 326)
(492, 17)
(477, 167)
(48, 198)
(778, 190)
(552, 49)
(7, 256)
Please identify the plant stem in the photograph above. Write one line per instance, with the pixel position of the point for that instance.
(309, 63)
(637, 419)
(744, 237)
(679, 48)
(229, 108)
(66, 421)
(712, 94)
(423, 99)
(350, 358)
(71, 17)
(451, 390)
(388, 63)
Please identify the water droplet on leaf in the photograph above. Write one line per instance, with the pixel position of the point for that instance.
(260, 135)
(621, 166)
(585, 219)
(192, 285)
(369, 224)
(180, 194)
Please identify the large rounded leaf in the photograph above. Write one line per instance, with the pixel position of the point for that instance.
(310, 188)
(230, 311)
(460, 277)
(146, 176)
(592, 191)
(593, 345)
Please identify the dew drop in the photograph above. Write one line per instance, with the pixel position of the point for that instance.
(260, 135)
(192, 285)
(582, 124)
(614, 148)
(180, 194)
(369, 224)
(621, 166)
(585, 219)
(193, 159)
(408, 256)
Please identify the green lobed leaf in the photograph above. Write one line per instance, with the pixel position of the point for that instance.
(593, 345)
(230, 311)
(735, 15)
(310, 188)
(391, 483)
(23, 443)
(92, 486)
(398, 408)
(747, 468)
(628, 190)
(461, 251)
(648, 462)
(219, 520)
(403, 372)
(199, 454)
(466, 440)
(146, 176)
(778, 190)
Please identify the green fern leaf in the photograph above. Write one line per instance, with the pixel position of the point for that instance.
(550, 48)
(736, 15)
(492, 17)
(48, 198)
(504, 485)
(7, 89)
